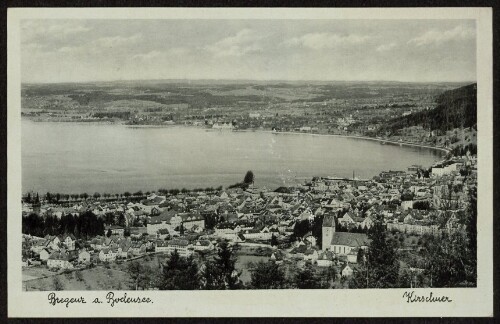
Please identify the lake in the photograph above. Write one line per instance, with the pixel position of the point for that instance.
(113, 158)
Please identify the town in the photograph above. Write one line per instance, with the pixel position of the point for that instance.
(352, 109)
(321, 234)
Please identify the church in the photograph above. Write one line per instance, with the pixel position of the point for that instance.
(341, 243)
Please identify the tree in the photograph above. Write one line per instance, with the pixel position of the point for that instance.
(306, 279)
(274, 240)
(268, 275)
(97, 195)
(180, 273)
(143, 276)
(446, 260)
(121, 220)
(381, 268)
(225, 262)
(249, 178)
(471, 232)
(301, 228)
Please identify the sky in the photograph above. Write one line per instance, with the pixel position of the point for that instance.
(336, 50)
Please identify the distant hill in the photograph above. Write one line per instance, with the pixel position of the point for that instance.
(456, 109)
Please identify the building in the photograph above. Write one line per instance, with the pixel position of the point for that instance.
(203, 245)
(115, 230)
(347, 271)
(59, 260)
(182, 247)
(108, 255)
(69, 241)
(343, 243)
(328, 228)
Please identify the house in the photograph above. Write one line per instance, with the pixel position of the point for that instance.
(68, 240)
(352, 256)
(182, 247)
(115, 230)
(44, 255)
(347, 220)
(311, 255)
(138, 231)
(108, 255)
(367, 222)
(238, 238)
(137, 248)
(163, 234)
(298, 252)
(84, 256)
(325, 259)
(38, 246)
(59, 260)
(124, 251)
(203, 245)
(52, 242)
(346, 271)
(161, 221)
(309, 238)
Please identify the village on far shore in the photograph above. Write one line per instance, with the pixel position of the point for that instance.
(323, 223)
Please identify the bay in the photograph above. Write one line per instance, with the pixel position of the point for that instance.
(113, 158)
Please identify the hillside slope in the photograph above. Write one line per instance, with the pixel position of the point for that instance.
(455, 109)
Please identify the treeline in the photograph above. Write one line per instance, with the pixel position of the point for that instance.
(85, 225)
(456, 109)
(184, 190)
(59, 197)
(461, 150)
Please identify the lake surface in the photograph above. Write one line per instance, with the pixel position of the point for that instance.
(79, 157)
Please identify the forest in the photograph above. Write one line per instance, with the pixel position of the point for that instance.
(455, 109)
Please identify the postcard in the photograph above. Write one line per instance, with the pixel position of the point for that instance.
(182, 162)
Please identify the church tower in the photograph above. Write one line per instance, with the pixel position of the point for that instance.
(328, 229)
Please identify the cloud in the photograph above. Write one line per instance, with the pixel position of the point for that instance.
(148, 56)
(116, 41)
(244, 42)
(101, 44)
(159, 54)
(325, 40)
(386, 47)
(434, 36)
(33, 30)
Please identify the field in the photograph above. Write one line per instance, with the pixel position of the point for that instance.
(98, 278)
(114, 276)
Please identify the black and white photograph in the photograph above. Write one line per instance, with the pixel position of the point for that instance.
(330, 155)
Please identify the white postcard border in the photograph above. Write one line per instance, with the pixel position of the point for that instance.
(282, 303)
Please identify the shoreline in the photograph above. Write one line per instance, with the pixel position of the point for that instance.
(442, 149)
